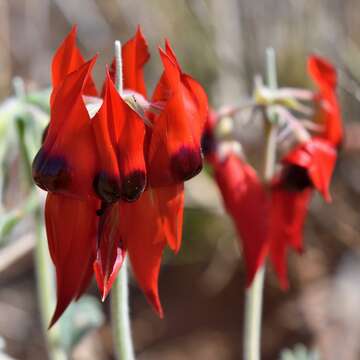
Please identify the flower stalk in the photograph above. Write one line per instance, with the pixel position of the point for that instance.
(120, 315)
(254, 295)
(46, 292)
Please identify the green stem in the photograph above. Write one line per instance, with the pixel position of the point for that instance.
(254, 295)
(120, 316)
(46, 292)
(121, 324)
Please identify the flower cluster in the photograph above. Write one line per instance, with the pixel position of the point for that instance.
(114, 167)
(269, 217)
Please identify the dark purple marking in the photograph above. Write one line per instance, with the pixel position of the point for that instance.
(186, 163)
(296, 178)
(208, 143)
(107, 187)
(50, 173)
(133, 185)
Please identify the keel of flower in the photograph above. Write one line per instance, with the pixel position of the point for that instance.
(110, 251)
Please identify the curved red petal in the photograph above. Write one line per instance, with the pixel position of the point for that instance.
(176, 132)
(247, 203)
(71, 231)
(66, 162)
(120, 135)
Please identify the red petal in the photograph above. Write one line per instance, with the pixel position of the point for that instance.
(145, 243)
(120, 133)
(106, 127)
(110, 250)
(135, 54)
(246, 201)
(171, 206)
(287, 217)
(322, 72)
(329, 114)
(71, 232)
(66, 162)
(67, 59)
(175, 139)
(318, 157)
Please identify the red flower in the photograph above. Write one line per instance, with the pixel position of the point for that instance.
(308, 166)
(268, 224)
(96, 152)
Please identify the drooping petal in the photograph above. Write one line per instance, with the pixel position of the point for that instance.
(247, 203)
(144, 244)
(119, 134)
(71, 227)
(66, 161)
(110, 251)
(176, 132)
(317, 157)
(67, 59)
(287, 216)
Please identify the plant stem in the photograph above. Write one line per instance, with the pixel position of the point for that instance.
(46, 291)
(120, 316)
(120, 292)
(254, 295)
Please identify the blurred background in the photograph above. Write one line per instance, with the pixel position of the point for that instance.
(222, 44)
